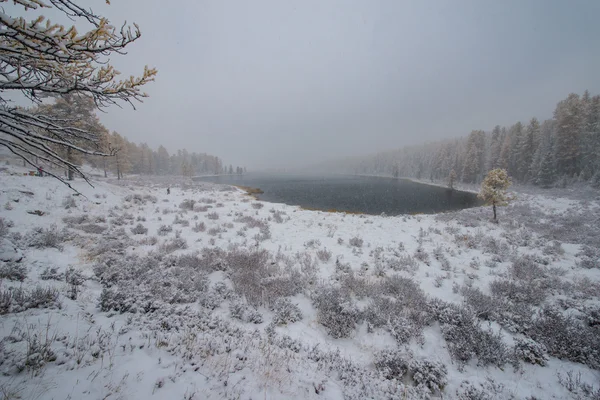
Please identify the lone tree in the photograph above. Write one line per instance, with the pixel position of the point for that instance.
(451, 179)
(41, 59)
(493, 189)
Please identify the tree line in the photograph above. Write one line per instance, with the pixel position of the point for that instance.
(124, 156)
(557, 151)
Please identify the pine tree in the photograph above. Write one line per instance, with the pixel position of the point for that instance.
(546, 175)
(495, 147)
(527, 149)
(568, 115)
(493, 189)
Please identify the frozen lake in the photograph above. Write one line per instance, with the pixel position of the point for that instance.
(369, 195)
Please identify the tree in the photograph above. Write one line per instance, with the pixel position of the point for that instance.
(546, 175)
(451, 179)
(41, 59)
(493, 189)
(568, 117)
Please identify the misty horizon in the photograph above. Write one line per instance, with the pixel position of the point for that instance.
(270, 85)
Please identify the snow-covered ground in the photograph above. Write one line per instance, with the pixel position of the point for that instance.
(127, 292)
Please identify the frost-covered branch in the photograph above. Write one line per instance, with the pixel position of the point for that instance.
(39, 59)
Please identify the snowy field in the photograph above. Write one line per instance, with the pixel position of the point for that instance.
(130, 293)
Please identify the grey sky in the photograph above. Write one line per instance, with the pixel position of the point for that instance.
(271, 83)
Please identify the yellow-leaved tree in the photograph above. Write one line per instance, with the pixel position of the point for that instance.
(494, 189)
(41, 59)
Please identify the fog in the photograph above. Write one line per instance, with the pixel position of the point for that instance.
(270, 84)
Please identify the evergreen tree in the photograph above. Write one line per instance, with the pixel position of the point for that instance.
(568, 115)
(546, 175)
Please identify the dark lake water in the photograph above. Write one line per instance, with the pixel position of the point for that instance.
(369, 195)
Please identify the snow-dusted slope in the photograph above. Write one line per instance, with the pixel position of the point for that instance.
(127, 292)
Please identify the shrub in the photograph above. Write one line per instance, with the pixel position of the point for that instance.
(394, 364)
(18, 299)
(180, 221)
(171, 245)
(567, 338)
(526, 292)
(286, 312)
(187, 204)
(243, 312)
(3, 228)
(335, 311)
(42, 238)
(324, 255)
(213, 215)
(164, 230)
(199, 227)
(356, 242)
(466, 339)
(92, 228)
(530, 351)
(257, 206)
(51, 274)
(139, 230)
(13, 271)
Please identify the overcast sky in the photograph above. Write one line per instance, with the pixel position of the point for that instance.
(287, 83)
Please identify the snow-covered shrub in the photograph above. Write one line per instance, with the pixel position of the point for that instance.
(164, 230)
(526, 268)
(402, 263)
(285, 312)
(393, 364)
(398, 365)
(278, 216)
(42, 238)
(567, 338)
(312, 243)
(257, 206)
(173, 244)
(421, 255)
(518, 292)
(264, 234)
(115, 300)
(139, 229)
(76, 220)
(3, 228)
(244, 312)
(482, 305)
(324, 255)
(15, 300)
(578, 388)
(356, 241)
(181, 221)
(51, 274)
(432, 374)
(335, 311)
(530, 351)
(213, 215)
(92, 228)
(199, 227)
(187, 204)
(201, 208)
(214, 231)
(465, 337)
(69, 202)
(589, 257)
(13, 271)
(553, 249)
(213, 298)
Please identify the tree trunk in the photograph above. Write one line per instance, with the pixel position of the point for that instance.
(105, 175)
(118, 169)
(494, 207)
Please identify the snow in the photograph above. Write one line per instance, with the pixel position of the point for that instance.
(210, 355)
